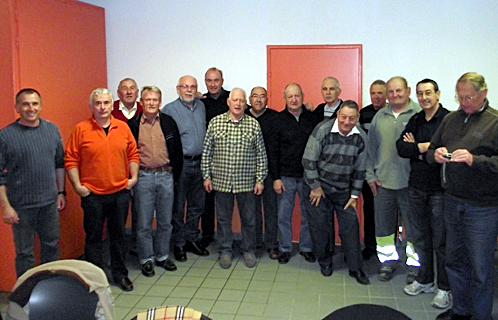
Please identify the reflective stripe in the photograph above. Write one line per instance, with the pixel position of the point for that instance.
(386, 250)
(411, 256)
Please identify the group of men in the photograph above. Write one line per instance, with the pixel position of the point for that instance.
(203, 151)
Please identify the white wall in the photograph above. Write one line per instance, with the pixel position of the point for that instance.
(156, 42)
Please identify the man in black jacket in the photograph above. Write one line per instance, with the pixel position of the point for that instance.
(466, 144)
(425, 214)
(161, 161)
(266, 118)
(293, 127)
(215, 102)
(330, 93)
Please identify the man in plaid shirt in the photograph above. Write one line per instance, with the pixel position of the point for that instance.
(234, 164)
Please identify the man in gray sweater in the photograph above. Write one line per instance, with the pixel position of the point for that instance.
(32, 181)
(334, 170)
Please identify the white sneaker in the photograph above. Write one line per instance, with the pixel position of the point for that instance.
(442, 300)
(416, 288)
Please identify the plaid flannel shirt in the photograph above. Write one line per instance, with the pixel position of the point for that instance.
(234, 155)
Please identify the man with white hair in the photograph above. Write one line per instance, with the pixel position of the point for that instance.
(234, 164)
(102, 164)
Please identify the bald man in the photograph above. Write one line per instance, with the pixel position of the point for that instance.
(190, 116)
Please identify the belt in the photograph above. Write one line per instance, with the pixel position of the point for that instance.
(166, 167)
(197, 157)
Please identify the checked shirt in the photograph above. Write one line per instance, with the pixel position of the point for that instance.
(234, 155)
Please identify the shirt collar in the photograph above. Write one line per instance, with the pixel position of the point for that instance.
(229, 119)
(335, 129)
(122, 107)
(143, 119)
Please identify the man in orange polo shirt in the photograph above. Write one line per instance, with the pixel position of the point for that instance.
(102, 164)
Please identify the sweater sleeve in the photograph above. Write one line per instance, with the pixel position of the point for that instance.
(72, 156)
(310, 158)
(372, 146)
(436, 142)
(207, 154)
(408, 149)
(358, 175)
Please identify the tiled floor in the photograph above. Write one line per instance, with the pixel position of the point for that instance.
(296, 290)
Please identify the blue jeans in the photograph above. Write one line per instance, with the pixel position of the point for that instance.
(269, 200)
(113, 208)
(321, 220)
(43, 221)
(154, 191)
(246, 202)
(286, 202)
(426, 218)
(470, 245)
(188, 187)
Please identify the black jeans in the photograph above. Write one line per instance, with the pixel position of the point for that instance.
(96, 209)
(426, 217)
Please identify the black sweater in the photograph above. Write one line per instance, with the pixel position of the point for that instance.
(288, 142)
(477, 133)
(423, 176)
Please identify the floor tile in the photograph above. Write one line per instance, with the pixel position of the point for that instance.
(226, 307)
(231, 295)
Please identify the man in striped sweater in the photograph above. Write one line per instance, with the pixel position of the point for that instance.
(32, 181)
(334, 170)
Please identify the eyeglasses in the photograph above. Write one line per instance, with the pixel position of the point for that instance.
(467, 98)
(185, 87)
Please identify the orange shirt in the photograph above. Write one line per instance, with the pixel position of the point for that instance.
(102, 160)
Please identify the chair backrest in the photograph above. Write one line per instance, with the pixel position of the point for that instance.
(73, 276)
(171, 312)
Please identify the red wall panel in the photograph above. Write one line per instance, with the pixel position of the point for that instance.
(57, 47)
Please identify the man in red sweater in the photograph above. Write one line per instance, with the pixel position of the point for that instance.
(102, 164)
(127, 107)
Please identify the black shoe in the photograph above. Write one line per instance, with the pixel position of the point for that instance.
(148, 269)
(360, 277)
(180, 254)
(125, 284)
(411, 274)
(195, 249)
(386, 273)
(284, 257)
(273, 253)
(451, 315)
(308, 256)
(166, 264)
(367, 253)
(326, 271)
(205, 242)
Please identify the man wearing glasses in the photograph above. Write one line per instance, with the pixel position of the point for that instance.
(190, 116)
(466, 144)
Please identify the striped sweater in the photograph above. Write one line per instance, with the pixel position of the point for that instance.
(29, 157)
(333, 161)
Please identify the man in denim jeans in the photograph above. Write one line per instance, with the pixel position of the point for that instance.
(466, 144)
(161, 160)
(293, 127)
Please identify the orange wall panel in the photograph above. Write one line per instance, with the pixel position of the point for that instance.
(57, 47)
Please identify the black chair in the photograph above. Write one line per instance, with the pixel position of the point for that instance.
(366, 312)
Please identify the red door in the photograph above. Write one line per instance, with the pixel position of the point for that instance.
(308, 65)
